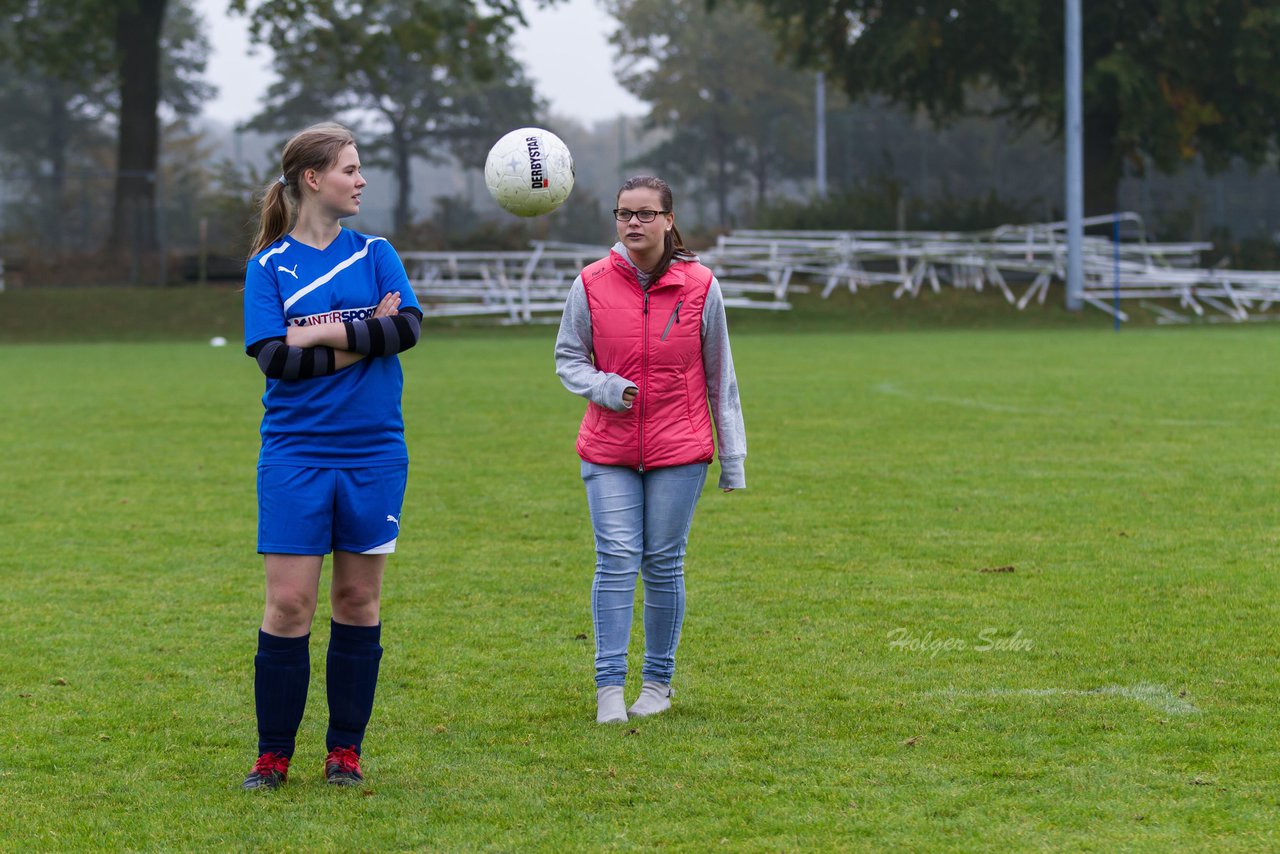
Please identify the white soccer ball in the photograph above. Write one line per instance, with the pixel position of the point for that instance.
(529, 172)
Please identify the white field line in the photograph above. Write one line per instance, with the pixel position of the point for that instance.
(894, 390)
(1157, 697)
(966, 402)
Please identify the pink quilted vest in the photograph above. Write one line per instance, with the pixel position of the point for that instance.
(653, 339)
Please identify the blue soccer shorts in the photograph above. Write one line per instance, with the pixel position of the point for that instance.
(313, 511)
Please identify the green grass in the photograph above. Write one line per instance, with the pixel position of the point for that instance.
(113, 314)
(1129, 480)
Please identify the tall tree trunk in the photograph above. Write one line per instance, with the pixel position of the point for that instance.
(722, 174)
(1102, 163)
(57, 140)
(404, 179)
(764, 153)
(138, 25)
(762, 178)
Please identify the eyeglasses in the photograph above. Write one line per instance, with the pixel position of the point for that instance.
(624, 215)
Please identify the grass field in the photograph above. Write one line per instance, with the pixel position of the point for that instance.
(852, 675)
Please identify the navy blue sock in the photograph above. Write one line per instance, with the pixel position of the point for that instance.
(352, 676)
(282, 671)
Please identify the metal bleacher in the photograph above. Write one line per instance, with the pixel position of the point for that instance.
(513, 286)
(531, 286)
(760, 269)
(1163, 277)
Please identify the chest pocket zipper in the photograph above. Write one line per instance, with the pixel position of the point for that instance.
(675, 318)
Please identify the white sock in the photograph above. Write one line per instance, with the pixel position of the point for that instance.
(654, 697)
(611, 708)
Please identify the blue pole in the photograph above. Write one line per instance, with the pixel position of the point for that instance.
(1115, 252)
(1075, 160)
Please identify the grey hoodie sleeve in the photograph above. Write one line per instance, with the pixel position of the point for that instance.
(574, 365)
(722, 389)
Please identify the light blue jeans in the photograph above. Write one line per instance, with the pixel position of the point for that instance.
(641, 523)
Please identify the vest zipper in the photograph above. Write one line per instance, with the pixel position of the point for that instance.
(644, 376)
(675, 318)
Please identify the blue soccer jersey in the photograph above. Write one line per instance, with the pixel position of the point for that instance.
(350, 419)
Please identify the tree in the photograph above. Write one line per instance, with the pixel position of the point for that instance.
(137, 44)
(65, 87)
(735, 115)
(98, 58)
(184, 56)
(1164, 80)
(52, 122)
(420, 78)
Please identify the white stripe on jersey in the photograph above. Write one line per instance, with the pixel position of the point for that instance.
(265, 258)
(329, 275)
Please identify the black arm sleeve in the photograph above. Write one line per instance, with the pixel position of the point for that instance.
(383, 336)
(279, 361)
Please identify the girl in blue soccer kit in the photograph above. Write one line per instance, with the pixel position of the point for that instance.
(326, 310)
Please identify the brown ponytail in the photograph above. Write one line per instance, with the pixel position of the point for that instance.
(274, 217)
(673, 248)
(318, 148)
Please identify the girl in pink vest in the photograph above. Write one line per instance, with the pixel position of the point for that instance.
(644, 339)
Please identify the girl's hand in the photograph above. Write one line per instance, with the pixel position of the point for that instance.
(388, 306)
(299, 336)
(331, 333)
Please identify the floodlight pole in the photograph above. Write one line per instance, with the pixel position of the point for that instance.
(1075, 160)
(820, 155)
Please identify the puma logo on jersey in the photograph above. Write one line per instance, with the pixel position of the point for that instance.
(293, 272)
(391, 518)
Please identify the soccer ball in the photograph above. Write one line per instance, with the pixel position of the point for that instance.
(529, 172)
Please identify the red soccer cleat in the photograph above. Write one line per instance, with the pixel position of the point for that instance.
(269, 772)
(342, 767)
